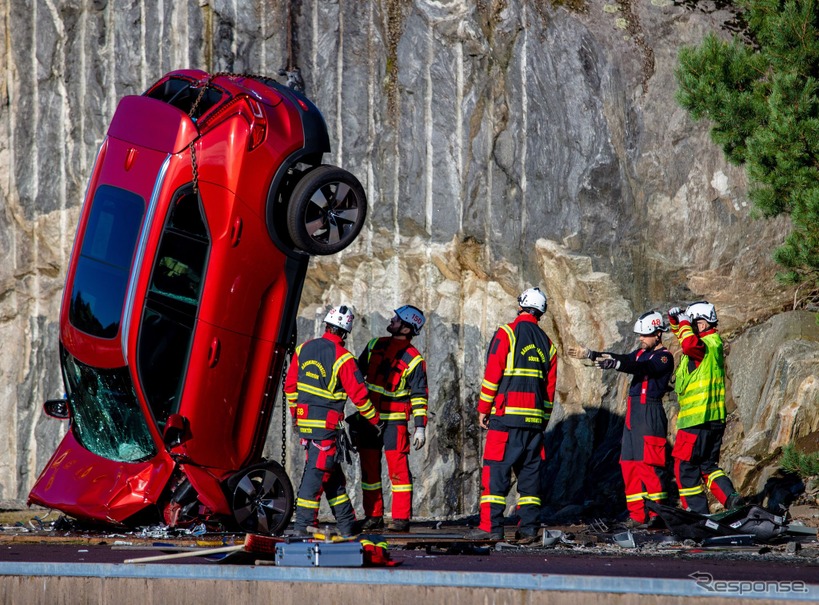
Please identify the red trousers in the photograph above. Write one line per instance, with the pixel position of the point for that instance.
(395, 445)
(643, 455)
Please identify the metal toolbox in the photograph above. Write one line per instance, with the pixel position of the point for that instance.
(320, 554)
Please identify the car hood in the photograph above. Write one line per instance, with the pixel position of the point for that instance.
(89, 487)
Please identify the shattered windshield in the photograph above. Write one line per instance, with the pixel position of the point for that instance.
(106, 417)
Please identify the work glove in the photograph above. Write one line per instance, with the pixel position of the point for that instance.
(683, 317)
(674, 312)
(583, 353)
(419, 437)
(607, 363)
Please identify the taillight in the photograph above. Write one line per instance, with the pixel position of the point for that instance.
(130, 156)
(258, 124)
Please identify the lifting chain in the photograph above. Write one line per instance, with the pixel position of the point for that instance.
(284, 412)
(291, 348)
(294, 81)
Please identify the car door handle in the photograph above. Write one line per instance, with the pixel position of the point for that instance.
(213, 352)
(236, 232)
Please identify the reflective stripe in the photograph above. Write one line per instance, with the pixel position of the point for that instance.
(341, 396)
(510, 356)
(367, 410)
(488, 398)
(404, 487)
(403, 393)
(657, 496)
(691, 491)
(715, 475)
(371, 486)
(338, 500)
(636, 497)
(525, 412)
(529, 501)
(489, 385)
(523, 372)
(313, 424)
(493, 500)
(419, 412)
(307, 503)
(393, 416)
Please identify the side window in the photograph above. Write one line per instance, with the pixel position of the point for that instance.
(104, 263)
(171, 305)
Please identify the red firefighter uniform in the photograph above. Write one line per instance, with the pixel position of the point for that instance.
(643, 453)
(701, 421)
(396, 376)
(518, 393)
(322, 375)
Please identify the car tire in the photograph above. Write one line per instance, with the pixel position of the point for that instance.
(327, 210)
(262, 499)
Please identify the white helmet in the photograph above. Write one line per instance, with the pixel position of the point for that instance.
(412, 316)
(340, 317)
(702, 310)
(649, 323)
(533, 298)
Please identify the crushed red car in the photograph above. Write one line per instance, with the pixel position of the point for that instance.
(207, 198)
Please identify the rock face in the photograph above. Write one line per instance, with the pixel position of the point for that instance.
(501, 144)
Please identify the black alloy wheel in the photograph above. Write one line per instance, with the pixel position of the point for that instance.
(327, 210)
(263, 499)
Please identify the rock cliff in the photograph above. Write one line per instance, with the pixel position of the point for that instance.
(502, 144)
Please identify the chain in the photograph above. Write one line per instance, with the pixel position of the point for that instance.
(291, 349)
(195, 106)
(284, 415)
(194, 168)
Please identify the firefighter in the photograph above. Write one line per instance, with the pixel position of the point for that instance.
(517, 395)
(322, 375)
(700, 386)
(643, 451)
(396, 377)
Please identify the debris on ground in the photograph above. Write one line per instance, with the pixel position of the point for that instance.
(748, 531)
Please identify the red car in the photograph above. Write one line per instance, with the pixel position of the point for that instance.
(206, 200)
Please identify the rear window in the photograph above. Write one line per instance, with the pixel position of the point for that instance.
(104, 263)
(184, 95)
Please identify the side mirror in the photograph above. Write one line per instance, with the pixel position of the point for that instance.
(176, 431)
(57, 408)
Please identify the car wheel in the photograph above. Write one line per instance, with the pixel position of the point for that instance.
(326, 211)
(263, 499)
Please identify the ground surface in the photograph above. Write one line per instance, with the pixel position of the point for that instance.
(583, 549)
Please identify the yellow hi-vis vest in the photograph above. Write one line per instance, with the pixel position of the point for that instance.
(701, 393)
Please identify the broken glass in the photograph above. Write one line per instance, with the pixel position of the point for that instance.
(106, 417)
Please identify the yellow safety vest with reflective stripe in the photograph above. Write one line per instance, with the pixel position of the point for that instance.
(701, 393)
